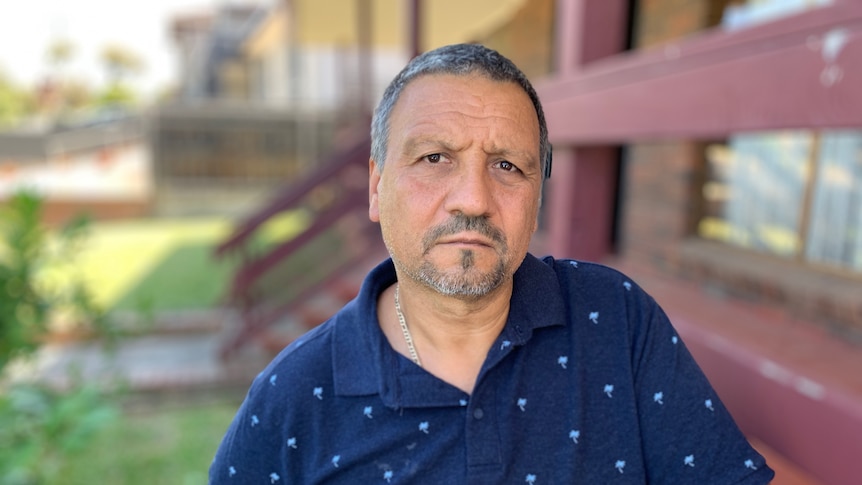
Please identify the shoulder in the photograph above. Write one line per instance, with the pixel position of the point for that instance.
(588, 272)
(273, 405)
(598, 284)
(308, 359)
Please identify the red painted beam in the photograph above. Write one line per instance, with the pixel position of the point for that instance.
(774, 76)
(581, 196)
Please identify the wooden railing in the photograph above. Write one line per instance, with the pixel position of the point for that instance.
(274, 279)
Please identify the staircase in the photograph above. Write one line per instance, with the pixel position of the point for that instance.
(295, 284)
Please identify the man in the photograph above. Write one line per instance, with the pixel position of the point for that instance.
(464, 359)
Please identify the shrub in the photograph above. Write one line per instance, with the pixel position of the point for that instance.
(39, 424)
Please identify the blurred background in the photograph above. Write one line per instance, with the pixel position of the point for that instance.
(184, 191)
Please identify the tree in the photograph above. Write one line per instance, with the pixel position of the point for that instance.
(60, 52)
(120, 63)
(117, 94)
(15, 103)
(71, 94)
(76, 94)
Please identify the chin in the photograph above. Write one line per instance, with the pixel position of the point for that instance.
(462, 282)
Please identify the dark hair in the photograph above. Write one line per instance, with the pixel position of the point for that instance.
(460, 60)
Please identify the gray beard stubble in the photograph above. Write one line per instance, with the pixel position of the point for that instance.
(469, 283)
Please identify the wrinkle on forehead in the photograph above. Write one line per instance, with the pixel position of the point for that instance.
(437, 113)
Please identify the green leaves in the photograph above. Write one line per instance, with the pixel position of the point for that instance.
(40, 426)
(23, 308)
(29, 299)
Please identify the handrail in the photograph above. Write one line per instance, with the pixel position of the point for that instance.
(255, 269)
(292, 194)
(257, 313)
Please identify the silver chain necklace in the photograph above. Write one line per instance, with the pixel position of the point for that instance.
(406, 331)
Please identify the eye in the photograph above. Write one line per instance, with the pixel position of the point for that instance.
(507, 166)
(433, 158)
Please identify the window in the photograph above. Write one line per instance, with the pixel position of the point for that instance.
(796, 194)
(836, 214)
(747, 13)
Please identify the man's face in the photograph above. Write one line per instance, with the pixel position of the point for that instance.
(458, 197)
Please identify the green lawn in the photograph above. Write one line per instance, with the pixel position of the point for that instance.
(169, 446)
(165, 264)
(155, 265)
(158, 265)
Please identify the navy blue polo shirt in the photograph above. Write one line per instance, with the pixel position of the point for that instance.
(587, 383)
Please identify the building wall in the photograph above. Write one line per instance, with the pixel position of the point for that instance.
(661, 203)
(660, 21)
(309, 55)
(659, 187)
(534, 20)
(661, 176)
(451, 21)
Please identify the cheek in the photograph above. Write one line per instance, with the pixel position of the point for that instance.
(413, 199)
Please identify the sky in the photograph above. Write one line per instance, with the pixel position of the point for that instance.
(28, 27)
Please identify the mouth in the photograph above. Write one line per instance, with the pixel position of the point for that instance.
(465, 233)
(465, 240)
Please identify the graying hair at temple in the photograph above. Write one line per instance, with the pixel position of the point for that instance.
(459, 60)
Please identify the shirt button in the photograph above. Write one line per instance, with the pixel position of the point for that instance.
(478, 413)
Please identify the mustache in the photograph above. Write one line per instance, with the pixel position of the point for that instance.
(461, 223)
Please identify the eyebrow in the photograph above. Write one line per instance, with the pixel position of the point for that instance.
(420, 143)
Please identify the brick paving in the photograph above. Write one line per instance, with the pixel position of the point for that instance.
(179, 354)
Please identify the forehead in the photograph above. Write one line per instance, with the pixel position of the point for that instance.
(436, 101)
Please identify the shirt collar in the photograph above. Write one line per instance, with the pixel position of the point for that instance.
(364, 362)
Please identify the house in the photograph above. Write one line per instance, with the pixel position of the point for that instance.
(710, 149)
(101, 169)
(715, 151)
(267, 90)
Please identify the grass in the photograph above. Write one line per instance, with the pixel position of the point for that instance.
(165, 264)
(157, 265)
(172, 446)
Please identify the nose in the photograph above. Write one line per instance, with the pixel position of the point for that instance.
(470, 190)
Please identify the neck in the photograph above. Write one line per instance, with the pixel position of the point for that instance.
(451, 335)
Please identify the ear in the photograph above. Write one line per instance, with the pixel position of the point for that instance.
(373, 191)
